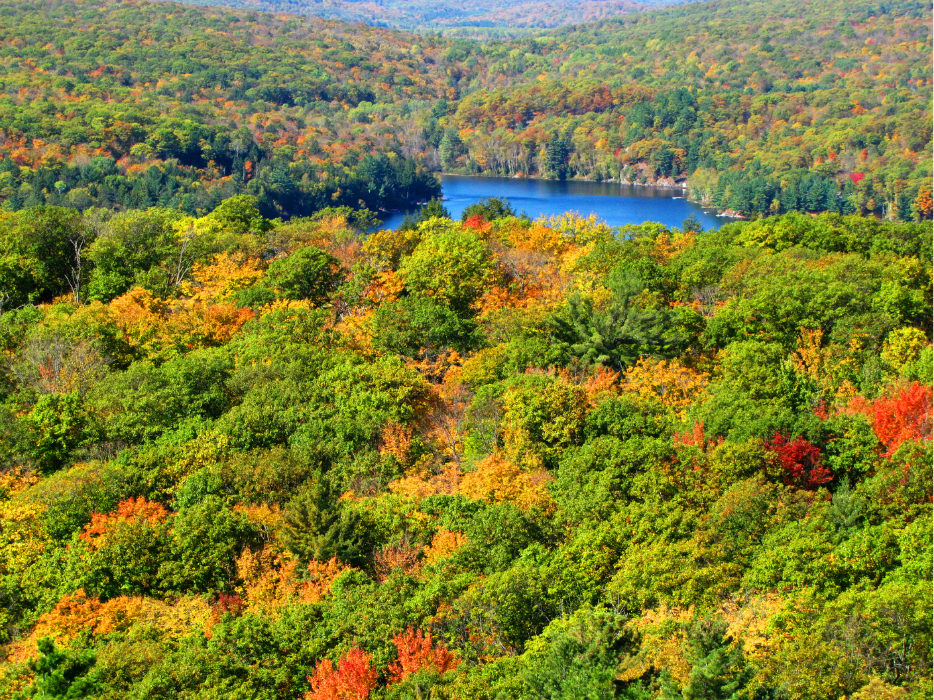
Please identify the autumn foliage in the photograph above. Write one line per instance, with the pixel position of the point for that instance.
(132, 510)
(799, 460)
(478, 458)
(443, 545)
(498, 480)
(698, 437)
(903, 416)
(402, 556)
(668, 380)
(477, 223)
(160, 328)
(352, 679)
(272, 579)
(417, 652)
(77, 613)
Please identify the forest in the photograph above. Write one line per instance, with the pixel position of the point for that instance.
(255, 446)
(488, 458)
(759, 109)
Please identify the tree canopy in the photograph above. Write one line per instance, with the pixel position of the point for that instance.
(497, 458)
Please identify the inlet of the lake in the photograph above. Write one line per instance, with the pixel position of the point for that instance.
(612, 202)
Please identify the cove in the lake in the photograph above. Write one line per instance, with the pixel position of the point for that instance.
(613, 203)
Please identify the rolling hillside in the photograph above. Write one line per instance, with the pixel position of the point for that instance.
(761, 108)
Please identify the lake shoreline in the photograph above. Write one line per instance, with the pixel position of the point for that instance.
(676, 186)
(616, 203)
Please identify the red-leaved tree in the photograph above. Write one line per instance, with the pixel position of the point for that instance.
(477, 223)
(799, 460)
(352, 679)
(416, 652)
(902, 417)
(227, 603)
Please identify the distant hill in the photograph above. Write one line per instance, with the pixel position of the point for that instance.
(757, 107)
(440, 14)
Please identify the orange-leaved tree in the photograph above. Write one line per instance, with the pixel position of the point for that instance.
(416, 651)
(352, 679)
(443, 545)
(130, 510)
(498, 480)
(902, 417)
(162, 329)
(401, 555)
(77, 612)
(272, 579)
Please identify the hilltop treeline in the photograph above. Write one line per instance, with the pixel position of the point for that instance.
(437, 14)
(489, 458)
(762, 109)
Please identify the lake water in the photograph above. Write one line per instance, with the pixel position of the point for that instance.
(615, 204)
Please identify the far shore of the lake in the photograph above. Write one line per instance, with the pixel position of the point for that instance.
(682, 186)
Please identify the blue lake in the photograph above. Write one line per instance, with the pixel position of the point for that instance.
(615, 204)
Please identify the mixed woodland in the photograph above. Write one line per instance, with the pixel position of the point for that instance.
(757, 108)
(255, 447)
(488, 458)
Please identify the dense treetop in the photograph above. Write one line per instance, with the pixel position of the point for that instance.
(762, 106)
(253, 447)
(133, 104)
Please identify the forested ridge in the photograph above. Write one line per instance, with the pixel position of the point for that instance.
(489, 458)
(438, 15)
(132, 104)
(759, 107)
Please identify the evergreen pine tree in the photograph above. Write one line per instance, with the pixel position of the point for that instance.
(556, 157)
(450, 148)
(718, 667)
(316, 527)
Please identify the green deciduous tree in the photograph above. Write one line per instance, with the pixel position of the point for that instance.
(308, 273)
(452, 266)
